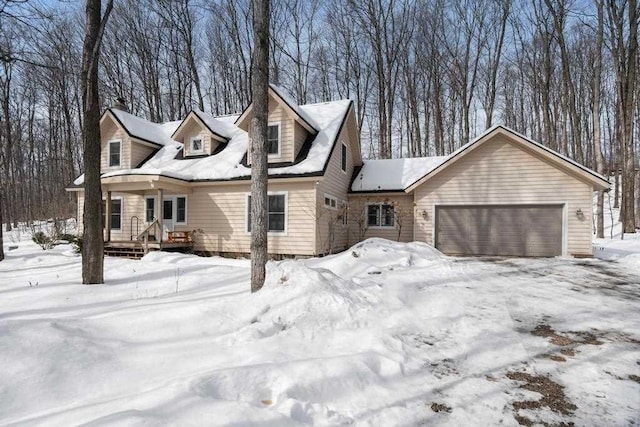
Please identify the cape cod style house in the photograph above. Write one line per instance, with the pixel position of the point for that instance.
(187, 184)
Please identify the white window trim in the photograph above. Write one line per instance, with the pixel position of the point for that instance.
(346, 152)
(279, 139)
(155, 207)
(331, 198)
(285, 232)
(191, 150)
(379, 227)
(113, 141)
(121, 212)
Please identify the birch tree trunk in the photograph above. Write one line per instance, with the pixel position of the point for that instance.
(258, 134)
(93, 244)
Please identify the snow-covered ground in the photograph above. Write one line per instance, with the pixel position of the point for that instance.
(383, 334)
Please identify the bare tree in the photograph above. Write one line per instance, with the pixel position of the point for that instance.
(623, 33)
(258, 133)
(93, 245)
(595, 114)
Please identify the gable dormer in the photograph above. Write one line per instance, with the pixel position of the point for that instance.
(127, 140)
(289, 127)
(199, 134)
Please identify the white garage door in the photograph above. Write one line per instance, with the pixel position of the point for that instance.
(508, 230)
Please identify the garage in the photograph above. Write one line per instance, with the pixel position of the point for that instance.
(505, 230)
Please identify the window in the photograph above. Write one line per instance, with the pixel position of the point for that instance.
(330, 202)
(381, 215)
(116, 214)
(114, 153)
(150, 209)
(276, 213)
(273, 139)
(181, 209)
(344, 157)
(345, 217)
(196, 145)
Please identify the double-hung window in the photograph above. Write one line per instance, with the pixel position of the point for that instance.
(115, 152)
(380, 215)
(181, 210)
(273, 140)
(150, 209)
(276, 213)
(116, 214)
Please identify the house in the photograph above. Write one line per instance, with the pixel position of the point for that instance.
(501, 194)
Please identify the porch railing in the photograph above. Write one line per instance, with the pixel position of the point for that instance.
(144, 235)
(137, 223)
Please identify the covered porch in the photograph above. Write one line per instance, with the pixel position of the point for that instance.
(141, 213)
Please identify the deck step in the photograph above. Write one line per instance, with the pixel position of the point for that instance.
(131, 252)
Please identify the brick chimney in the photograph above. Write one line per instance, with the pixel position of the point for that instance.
(120, 104)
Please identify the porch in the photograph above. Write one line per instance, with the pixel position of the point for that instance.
(136, 249)
(143, 215)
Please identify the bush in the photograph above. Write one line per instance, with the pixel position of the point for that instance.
(71, 238)
(43, 240)
(77, 244)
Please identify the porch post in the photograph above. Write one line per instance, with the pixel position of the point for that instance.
(107, 216)
(160, 213)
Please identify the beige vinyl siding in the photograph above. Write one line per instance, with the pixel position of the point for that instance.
(499, 172)
(300, 135)
(219, 214)
(402, 230)
(192, 130)
(80, 212)
(277, 115)
(335, 184)
(112, 132)
(139, 152)
(132, 205)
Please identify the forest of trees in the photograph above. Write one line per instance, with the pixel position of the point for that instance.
(426, 76)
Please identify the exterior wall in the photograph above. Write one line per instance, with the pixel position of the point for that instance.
(139, 153)
(402, 231)
(193, 129)
(219, 214)
(332, 236)
(500, 172)
(277, 115)
(132, 205)
(109, 132)
(300, 135)
(80, 212)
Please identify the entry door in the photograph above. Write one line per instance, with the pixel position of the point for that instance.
(168, 217)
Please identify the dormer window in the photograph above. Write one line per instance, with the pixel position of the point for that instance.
(273, 139)
(115, 154)
(195, 145)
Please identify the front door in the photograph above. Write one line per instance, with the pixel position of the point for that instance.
(167, 218)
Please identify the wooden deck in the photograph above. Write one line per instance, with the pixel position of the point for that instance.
(135, 249)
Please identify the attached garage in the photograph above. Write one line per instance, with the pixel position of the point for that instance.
(501, 194)
(504, 194)
(507, 230)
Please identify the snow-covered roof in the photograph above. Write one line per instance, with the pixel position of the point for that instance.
(227, 164)
(139, 128)
(393, 174)
(218, 126)
(294, 106)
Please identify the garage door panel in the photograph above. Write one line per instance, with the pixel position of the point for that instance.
(513, 230)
